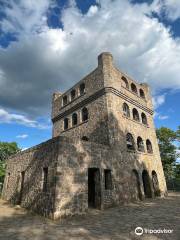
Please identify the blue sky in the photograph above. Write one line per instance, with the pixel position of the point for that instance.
(40, 40)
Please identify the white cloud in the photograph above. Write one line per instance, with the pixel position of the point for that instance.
(53, 59)
(27, 16)
(159, 116)
(163, 117)
(170, 8)
(158, 100)
(23, 136)
(7, 117)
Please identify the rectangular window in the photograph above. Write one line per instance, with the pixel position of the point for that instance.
(45, 179)
(82, 88)
(73, 94)
(7, 181)
(108, 179)
(65, 100)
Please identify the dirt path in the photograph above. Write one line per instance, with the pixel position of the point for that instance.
(111, 224)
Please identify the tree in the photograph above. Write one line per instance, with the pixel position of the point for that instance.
(166, 138)
(6, 150)
(178, 134)
(177, 171)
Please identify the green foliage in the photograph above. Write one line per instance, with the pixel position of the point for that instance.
(168, 151)
(177, 171)
(6, 150)
(178, 134)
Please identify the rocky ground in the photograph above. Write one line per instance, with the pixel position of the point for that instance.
(111, 224)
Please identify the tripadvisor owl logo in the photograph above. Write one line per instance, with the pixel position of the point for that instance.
(138, 231)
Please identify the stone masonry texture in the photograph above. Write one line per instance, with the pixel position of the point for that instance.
(91, 162)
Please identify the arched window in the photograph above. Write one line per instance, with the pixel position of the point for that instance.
(144, 118)
(126, 111)
(130, 141)
(140, 144)
(74, 119)
(82, 88)
(73, 94)
(133, 88)
(84, 138)
(84, 114)
(66, 123)
(141, 93)
(65, 100)
(135, 114)
(125, 82)
(149, 146)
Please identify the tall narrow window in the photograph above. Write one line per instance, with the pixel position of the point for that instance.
(45, 179)
(149, 146)
(133, 88)
(144, 118)
(73, 94)
(66, 123)
(74, 119)
(130, 141)
(65, 100)
(107, 179)
(126, 111)
(7, 181)
(135, 114)
(140, 144)
(125, 82)
(141, 93)
(21, 187)
(84, 114)
(82, 88)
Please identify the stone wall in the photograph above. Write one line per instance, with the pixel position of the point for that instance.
(93, 82)
(95, 128)
(32, 162)
(68, 162)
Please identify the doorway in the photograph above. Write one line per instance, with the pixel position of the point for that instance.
(94, 188)
(155, 184)
(146, 184)
(136, 186)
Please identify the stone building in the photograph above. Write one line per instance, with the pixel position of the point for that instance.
(103, 151)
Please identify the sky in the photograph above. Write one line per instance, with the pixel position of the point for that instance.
(49, 45)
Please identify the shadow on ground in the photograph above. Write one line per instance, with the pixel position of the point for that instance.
(113, 223)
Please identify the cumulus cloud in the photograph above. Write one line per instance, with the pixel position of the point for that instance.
(27, 16)
(7, 117)
(169, 8)
(158, 100)
(23, 136)
(48, 60)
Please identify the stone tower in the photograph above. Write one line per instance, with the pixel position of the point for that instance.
(103, 151)
(119, 114)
